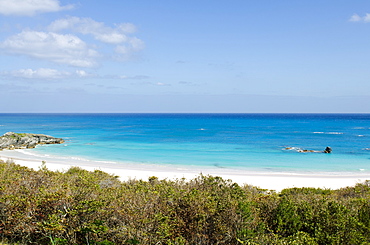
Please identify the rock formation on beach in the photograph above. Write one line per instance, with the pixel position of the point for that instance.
(11, 141)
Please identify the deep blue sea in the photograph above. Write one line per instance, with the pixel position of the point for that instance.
(235, 141)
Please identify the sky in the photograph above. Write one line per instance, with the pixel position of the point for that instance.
(238, 56)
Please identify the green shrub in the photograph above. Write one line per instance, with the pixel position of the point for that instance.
(84, 207)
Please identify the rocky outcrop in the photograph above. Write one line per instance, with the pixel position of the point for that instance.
(327, 150)
(13, 141)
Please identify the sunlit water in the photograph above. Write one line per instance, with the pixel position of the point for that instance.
(233, 141)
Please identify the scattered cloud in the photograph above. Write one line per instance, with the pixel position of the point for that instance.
(98, 30)
(139, 77)
(59, 48)
(357, 18)
(149, 83)
(132, 45)
(72, 41)
(125, 77)
(71, 90)
(30, 7)
(103, 86)
(186, 83)
(8, 87)
(118, 35)
(48, 74)
(44, 74)
(162, 84)
(64, 42)
(82, 73)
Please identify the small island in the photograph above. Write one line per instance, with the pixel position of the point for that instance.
(11, 140)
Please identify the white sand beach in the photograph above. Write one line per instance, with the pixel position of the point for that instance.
(266, 180)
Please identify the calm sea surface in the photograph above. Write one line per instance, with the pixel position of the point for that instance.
(235, 141)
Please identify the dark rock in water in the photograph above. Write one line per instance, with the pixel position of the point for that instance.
(11, 141)
(328, 150)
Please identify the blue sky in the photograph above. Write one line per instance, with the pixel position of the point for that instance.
(185, 56)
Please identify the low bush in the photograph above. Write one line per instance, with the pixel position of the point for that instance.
(93, 207)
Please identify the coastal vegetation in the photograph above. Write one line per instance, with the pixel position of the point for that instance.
(92, 207)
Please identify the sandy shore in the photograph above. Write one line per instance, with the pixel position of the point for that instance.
(267, 180)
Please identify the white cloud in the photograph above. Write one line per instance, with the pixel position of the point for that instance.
(98, 30)
(125, 44)
(30, 7)
(161, 84)
(357, 18)
(65, 49)
(41, 73)
(82, 74)
(367, 18)
(58, 46)
(45, 74)
(125, 51)
(126, 27)
(137, 77)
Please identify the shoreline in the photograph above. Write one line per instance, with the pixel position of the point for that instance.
(265, 180)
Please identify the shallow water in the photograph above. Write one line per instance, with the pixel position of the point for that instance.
(231, 141)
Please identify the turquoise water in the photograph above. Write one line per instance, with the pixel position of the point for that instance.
(233, 141)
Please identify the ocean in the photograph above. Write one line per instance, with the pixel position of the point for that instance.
(256, 142)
